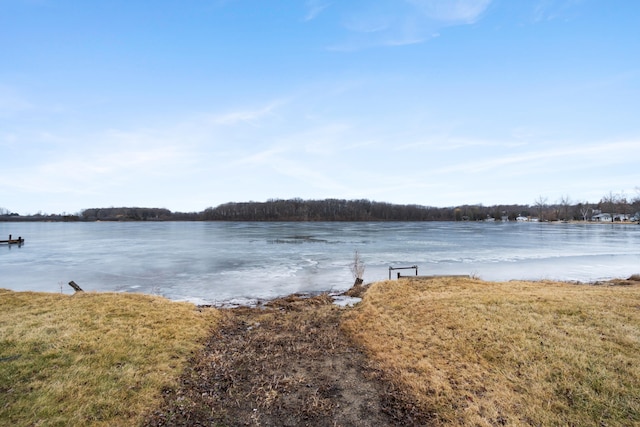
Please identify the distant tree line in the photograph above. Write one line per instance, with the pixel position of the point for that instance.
(322, 210)
(127, 214)
(355, 210)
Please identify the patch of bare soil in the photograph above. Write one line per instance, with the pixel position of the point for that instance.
(287, 364)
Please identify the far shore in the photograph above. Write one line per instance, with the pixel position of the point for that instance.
(24, 219)
(573, 221)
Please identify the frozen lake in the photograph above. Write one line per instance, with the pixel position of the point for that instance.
(216, 262)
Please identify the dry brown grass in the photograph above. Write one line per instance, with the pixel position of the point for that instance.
(476, 353)
(456, 352)
(91, 359)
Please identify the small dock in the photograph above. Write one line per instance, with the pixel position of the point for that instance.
(437, 276)
(413, 267)
(415, 276)
(12, 241)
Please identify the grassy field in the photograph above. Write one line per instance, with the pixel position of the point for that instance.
(450, 351)
(91, 359)
(475, 353)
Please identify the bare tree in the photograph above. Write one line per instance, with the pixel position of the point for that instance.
(585, 210)
(541, 204)
(622, 204)
(357, 268)
(565, 202)
(608, 204)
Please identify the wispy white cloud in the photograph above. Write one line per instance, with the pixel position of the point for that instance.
(314, 9)
(261, 157)
(87, 171)
(439, 142)
(392, 23)
(200, 147)
(594, 156)
(246, 116)
(403, 41)
(495, 175)
(300, 170)
(549, 10)
(316, 178)
(452, 11)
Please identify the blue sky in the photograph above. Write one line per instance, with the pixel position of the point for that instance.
(193, 103)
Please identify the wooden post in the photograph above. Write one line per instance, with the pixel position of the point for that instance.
(75, 286)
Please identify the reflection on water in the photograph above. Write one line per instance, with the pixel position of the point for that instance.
(215, 262)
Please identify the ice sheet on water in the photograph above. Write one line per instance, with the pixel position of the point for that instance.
(215, 263)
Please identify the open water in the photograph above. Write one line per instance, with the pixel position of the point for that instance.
(240, 262)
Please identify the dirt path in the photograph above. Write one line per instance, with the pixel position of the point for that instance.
(286, 365)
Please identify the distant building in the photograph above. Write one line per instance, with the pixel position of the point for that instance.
(621, 217)
(601, 217)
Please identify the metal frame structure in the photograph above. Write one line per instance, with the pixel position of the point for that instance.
(413, 267)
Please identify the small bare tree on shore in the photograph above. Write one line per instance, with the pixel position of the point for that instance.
(541, 204)
(585, 210)
(357, 268)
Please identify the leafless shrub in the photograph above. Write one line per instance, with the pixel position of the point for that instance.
(357, 268)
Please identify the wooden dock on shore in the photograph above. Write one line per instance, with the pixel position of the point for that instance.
(415, 276)
(436, 276)
(12, 241)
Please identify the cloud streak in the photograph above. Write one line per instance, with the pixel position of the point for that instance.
(245, 116)
(314, 9)
(391, 23)
(452, 11)
(549, 10)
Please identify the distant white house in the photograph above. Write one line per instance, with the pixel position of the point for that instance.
(522, 218)
(601, 217)
(606, 217)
